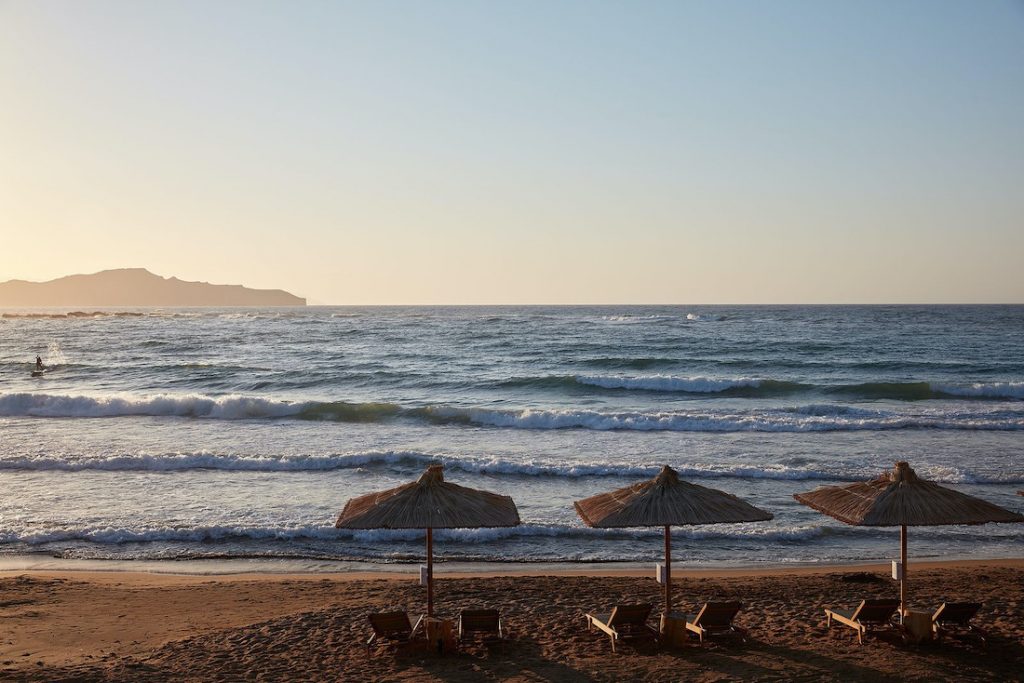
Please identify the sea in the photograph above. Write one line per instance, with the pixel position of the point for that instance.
(199, 437)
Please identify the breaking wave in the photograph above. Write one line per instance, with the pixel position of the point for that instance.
(812, 418)
(379, 542)
(225, 408)
(770, 420)
(414, 461)
(983, 390)
(399, 460)
(214, 533)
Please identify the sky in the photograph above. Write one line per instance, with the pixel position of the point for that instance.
(521, 152)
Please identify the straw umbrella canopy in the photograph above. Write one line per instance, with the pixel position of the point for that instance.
(900, 498)
(666, 501)
(429, 503)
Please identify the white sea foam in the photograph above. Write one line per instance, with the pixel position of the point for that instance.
(413, 461)
(190, 405)
(984, 390)
(114, 535)
(837, 409)
(401, 460)
(633, 319)
(208, 533)
(956, 475)
(620, 469)
(55, 355)
(814, 419)
(299, 539)
(707, 421)
(212, 461)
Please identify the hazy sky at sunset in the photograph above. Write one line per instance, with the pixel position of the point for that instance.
(521, 152)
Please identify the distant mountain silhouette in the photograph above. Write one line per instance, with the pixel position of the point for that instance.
(137, 287)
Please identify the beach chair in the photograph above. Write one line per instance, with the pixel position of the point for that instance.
(869, 613)
(394, 628)
(715, 619)
(625, 621)
(483, 623)
(956, 615)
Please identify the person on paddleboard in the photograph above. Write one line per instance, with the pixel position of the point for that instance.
(39, 363)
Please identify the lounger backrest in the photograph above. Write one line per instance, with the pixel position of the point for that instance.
(483, 620)
(630, 614)
(956, 612)
(714, 614)
(875, 610)
(390, 623)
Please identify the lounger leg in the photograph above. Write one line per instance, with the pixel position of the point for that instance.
(828, 619)
(860, 636)
(613, 643)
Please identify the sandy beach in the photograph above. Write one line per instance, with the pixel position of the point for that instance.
(122, 626)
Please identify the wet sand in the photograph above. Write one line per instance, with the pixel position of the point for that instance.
(119, 626)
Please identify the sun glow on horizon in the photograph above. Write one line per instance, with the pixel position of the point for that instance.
(431, 153)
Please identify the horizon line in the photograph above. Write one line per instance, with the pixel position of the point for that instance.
(539, 305)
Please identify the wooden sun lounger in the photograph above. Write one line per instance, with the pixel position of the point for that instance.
(956, 615)
(715, 619)
(481, 622)
(392, 627)
(869, 613)
(625, 621)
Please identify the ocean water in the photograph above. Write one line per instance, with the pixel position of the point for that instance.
(186, 434)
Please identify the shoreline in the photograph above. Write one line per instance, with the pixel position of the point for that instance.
(89, 571)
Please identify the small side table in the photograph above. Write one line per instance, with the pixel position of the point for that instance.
(440, 635)
(673, 629)
(917, 626)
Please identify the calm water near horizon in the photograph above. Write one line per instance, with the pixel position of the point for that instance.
(240, 433)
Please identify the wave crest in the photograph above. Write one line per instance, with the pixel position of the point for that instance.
(413, 461)
(212, 533)
(805, 419)
(190, 405)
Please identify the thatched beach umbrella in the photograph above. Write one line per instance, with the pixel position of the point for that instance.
(429, 503)
(666, 501)
(900, 498)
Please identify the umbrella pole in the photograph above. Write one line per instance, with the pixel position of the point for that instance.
(668, 571)
(430, 572)
(903, 563)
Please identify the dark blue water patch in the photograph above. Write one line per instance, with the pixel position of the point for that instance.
(765, 388)
(658, 384)
(629, 363)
